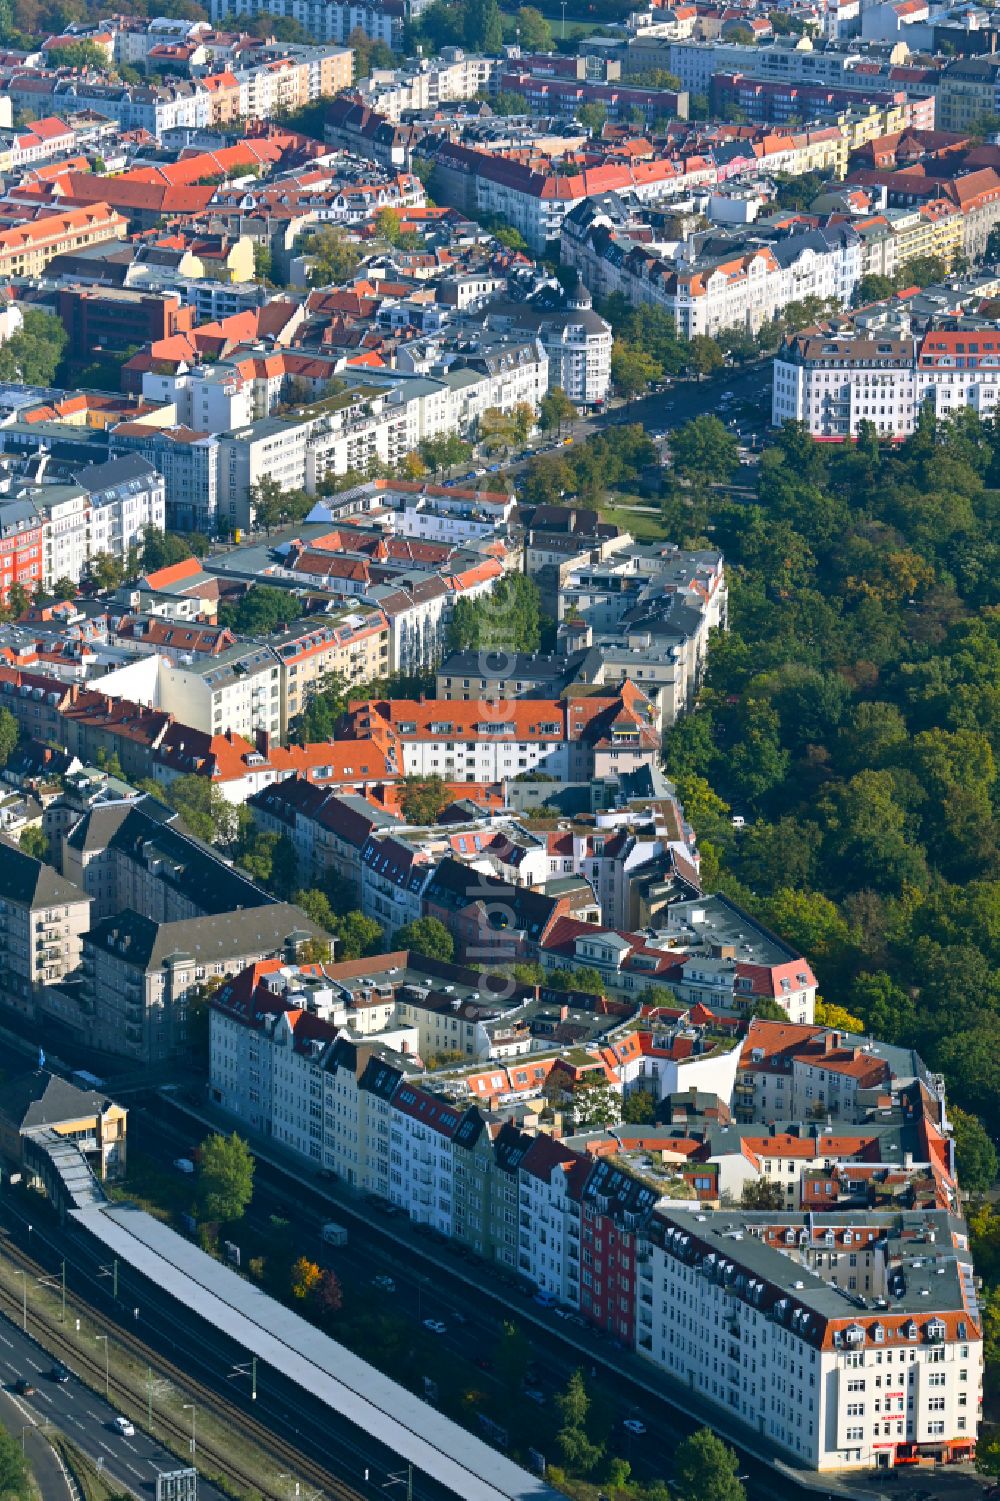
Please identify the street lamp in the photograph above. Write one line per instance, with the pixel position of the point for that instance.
(190, 1407)
(107, 1376)
(19, 1272)
(564, 19)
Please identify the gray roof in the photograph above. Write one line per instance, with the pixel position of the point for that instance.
(144, 944)
(27, 882)
(39, 1098)
(196, 869)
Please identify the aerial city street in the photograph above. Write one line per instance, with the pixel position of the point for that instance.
(499, 739)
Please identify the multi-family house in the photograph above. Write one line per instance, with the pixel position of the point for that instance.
(577, 738)
(43, 917)
(141, 977)
(549, 1188)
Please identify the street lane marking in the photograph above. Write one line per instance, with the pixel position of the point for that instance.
(134, 1470)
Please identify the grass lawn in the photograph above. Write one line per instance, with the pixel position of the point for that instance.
(645, 527)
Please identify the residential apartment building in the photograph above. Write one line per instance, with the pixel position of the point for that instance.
(576, 339)
(43, 918)
(330, 22)
(189, 463)
(747, 1328)
(850, 1336)
(22, 547)
(141, 977)
(27, 248)
(969, 90)
(742, 287)
(129, 854)
(353, 647)
(833, 382)
(572, 739)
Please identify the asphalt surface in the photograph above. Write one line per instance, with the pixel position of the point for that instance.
(83, 1416)
(208, 1355)
(432, 1284)
(22, 1425)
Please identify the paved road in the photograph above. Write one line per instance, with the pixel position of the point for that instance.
(83, 1416)
(48, 1472)
(433, 1280)
(315, 1430)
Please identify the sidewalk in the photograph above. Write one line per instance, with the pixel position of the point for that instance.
(831, 1487)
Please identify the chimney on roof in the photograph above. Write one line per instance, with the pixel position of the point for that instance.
(831, 1042)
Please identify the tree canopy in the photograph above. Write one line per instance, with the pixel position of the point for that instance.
(225, 1183)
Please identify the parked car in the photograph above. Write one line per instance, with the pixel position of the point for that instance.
(435, 1326)
(184, 1164)
(23, 1387)
(123, 1426)
(383, 1283)
(634, 1425)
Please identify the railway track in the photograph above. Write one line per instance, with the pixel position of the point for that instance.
(296, 1465)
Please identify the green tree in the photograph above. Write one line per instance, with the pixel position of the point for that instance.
(33, 354)
(225, 1185)
(316, 904)
(762, 1193)
(593, 116)
(554, 409)
(707, 1469)
(262, 611)
(508, 102)
(633, 370)
(426, 936)
(482, 26)
(162, 549)
(422, 798)
(509, 619)
(534, 31)
(639, 1108)
(206, 813)
(33, 842)
(704, 355)
(703, 450)
(335, 255)
(9, 735)
(975, 1154)
(263, 262)
(386, 225)
(15, 1477)
(64, 588)
(357, 936)
(872, 288)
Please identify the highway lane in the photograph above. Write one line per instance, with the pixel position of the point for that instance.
(83, 1416)
(431, 1281)
(208, 1355)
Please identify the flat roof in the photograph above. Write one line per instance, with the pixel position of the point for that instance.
(328, 1370)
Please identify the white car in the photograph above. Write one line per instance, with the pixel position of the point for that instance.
(184, 1164)
(124, 1427)
(435, 1326)
(634, 1425)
